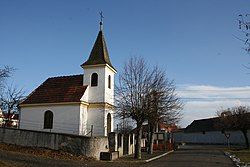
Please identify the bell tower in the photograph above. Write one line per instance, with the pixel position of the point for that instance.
(99, 75)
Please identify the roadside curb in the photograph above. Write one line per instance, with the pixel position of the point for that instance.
(159, 156)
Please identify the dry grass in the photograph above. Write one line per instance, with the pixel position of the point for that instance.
(3, 164)
(243, 154)
(42, 152)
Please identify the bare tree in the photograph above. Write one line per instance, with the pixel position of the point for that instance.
(9, 101)
(244, 26)
(126, 125)
(131, 95)
(164, 104)
(236, 118)
(145, 94)
(5, 72)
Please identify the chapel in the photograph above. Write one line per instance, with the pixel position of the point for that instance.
(77, 104)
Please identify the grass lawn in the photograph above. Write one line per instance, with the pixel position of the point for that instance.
(243, 154)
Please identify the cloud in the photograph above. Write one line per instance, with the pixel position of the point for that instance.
(212, 92)
(202, 101)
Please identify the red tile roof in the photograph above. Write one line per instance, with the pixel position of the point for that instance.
(11, 116)
(58, 90)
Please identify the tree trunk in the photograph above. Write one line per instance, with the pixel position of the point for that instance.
(246, 138)
(7, 121)
(138, 141)
(151, 139)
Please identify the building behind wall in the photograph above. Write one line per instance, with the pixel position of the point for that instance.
(76, 104)
(207, 131)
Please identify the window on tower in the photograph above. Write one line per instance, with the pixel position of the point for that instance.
(94, 79)
(109, 82)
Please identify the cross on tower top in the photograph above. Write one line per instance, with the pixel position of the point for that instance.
(101, 20)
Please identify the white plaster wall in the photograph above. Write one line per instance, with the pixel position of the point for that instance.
(109, 92)
(1, 117)
(83, 120)
(216, 137)
(131, 148)
(96, 118)
(1, 121)
(96, 93)
(101, 92)
(108, 110)
(105, 127)
(66, 118)
(85, 96)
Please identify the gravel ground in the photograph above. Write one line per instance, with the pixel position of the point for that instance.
(17, 156)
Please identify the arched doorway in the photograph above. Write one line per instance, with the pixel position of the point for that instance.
(108, 123)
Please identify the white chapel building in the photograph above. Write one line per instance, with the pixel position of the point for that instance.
(75, 104)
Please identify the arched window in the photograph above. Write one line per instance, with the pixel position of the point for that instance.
(48, 120)
(109, 82)
(94, 79)
(108, 123)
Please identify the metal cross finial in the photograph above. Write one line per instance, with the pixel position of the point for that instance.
(101, 15)
(101, 23)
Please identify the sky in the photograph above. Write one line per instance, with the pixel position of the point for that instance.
(194, 41)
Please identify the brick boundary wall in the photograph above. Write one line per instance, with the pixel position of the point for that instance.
(79, 145)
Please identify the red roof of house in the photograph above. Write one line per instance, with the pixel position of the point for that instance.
(58, 90)
(11, 116)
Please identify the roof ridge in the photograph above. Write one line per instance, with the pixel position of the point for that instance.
(206, 119)
(65, 76)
